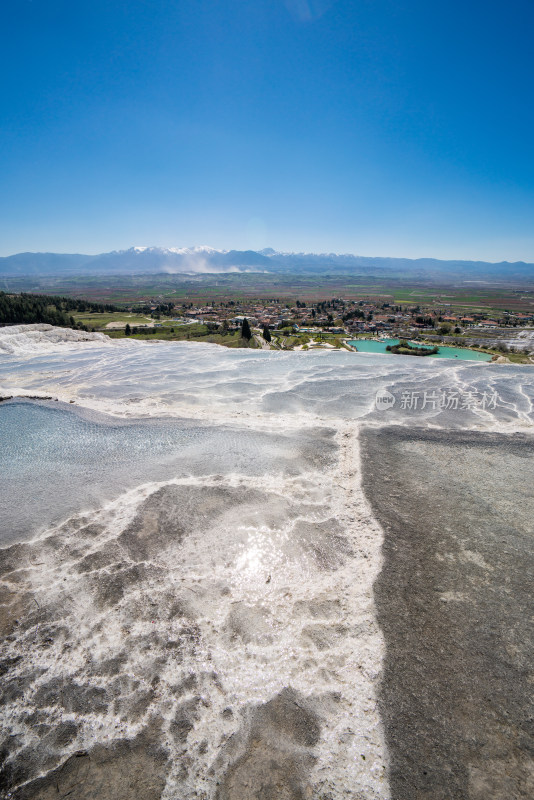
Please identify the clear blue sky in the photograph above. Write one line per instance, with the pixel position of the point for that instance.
(378, 127)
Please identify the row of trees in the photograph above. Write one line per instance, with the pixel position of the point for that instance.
(212, 327)
(165, 309)
(39, 308)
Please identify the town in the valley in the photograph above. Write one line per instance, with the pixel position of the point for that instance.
(334, 323)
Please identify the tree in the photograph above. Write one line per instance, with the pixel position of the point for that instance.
(266, 333)
(127, 330)
(246, 333)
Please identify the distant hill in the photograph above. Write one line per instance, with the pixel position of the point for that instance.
(198, 260)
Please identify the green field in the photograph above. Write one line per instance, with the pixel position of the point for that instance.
(171, 332)
(197, 332)
(128, 289)
(99, 321)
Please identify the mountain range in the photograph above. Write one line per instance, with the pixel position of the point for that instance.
(198, 260)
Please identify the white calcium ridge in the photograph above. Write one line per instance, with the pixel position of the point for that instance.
(207, 382)
(34, 339)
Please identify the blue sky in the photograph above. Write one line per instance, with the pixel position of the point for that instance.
(378, 127)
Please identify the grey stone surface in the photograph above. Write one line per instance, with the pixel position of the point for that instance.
(455, 605)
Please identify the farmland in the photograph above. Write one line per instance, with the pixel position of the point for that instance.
(125, 290)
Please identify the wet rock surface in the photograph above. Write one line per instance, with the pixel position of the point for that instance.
(124, 770)
(197, 638)
(172, 512)
(272, 753)
(454, 603)
(72, 663)
(60, 456)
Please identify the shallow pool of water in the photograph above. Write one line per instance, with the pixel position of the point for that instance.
(379, 346)
(57, 461)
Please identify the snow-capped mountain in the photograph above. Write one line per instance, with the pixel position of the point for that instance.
(204, 259)
(139, 259)
(177, 250)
